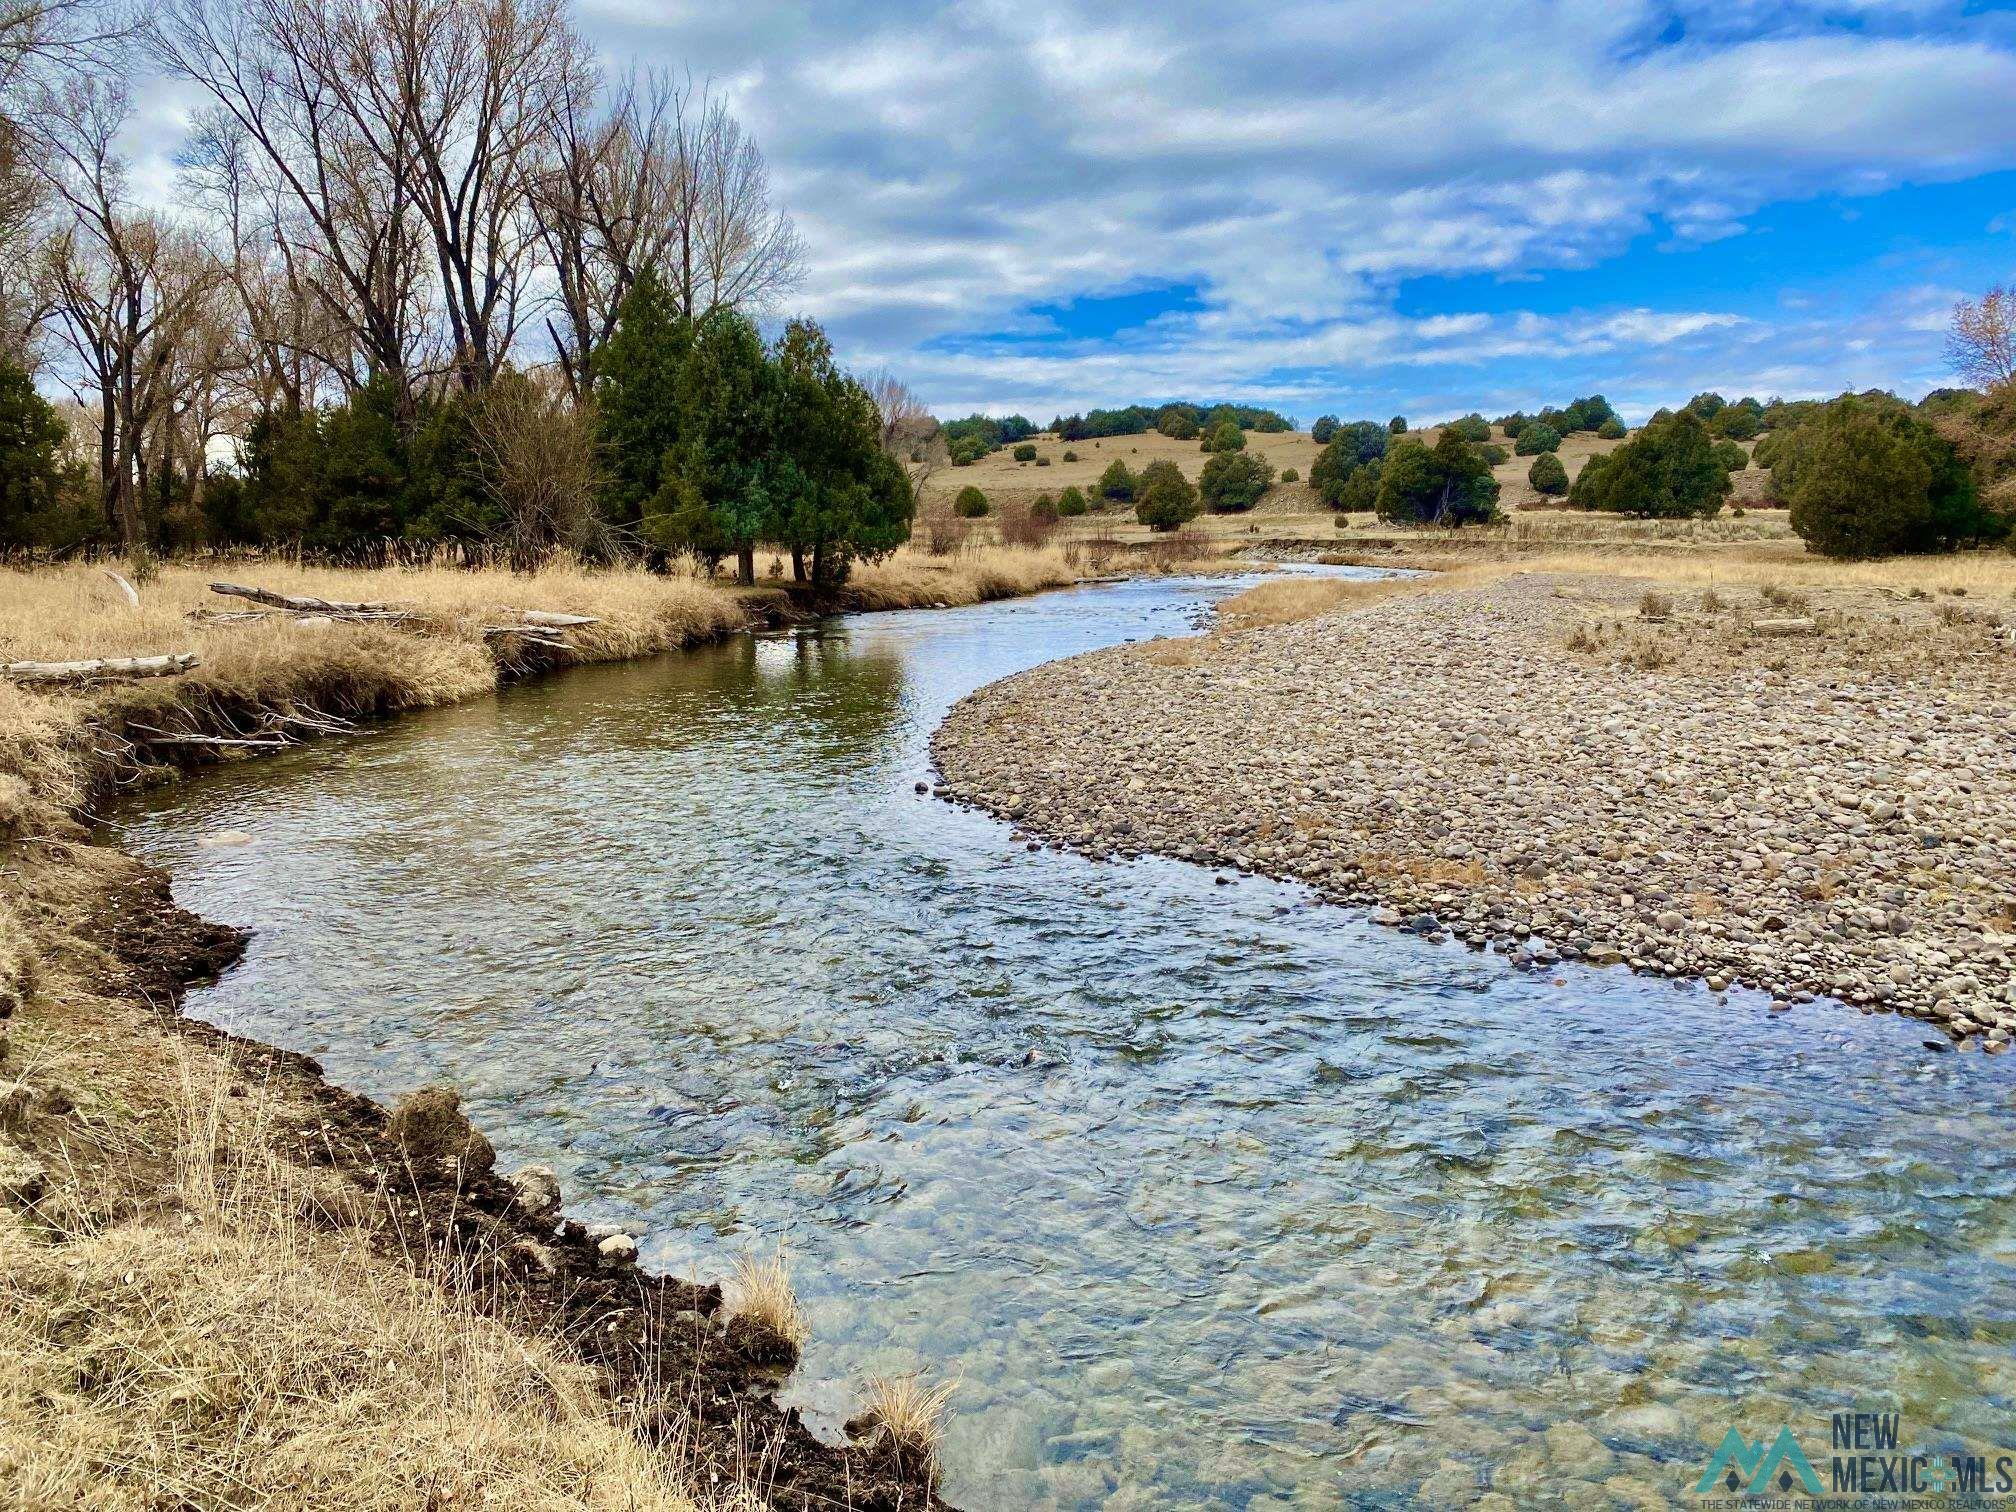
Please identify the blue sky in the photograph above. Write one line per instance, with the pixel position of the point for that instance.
(1045, 205)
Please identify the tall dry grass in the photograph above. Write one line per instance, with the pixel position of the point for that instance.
(914, 578)
(241, 1347)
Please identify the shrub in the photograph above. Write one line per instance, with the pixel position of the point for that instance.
(1868, 479)
(1117, 482)
(1024, 453)
(1448, 485)
(1667, 471)
(1071, 502)
(1044, 509)
(1166, 498)
(42, 500)
(1178, 426)
(1324, 428)
(1234, 481)
(1738, 422)
(1492, 453)
(1706, 406)
(969, 503)
(1289, 475)
(1471, 427)
(1360, 491)
(1042, 461)
(1611, 429)
(1729, 454)
(1548, 477)
(1070, 456)
(1397, 426)
(1536, 438)
(1512, 424)
(1225, 436)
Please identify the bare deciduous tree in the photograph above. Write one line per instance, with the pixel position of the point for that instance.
(541, 468)
(127, 285)
(1982, 342)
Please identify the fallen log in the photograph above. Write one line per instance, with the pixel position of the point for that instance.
(1785, 627)
(301, 603)
(556, 621)
(132, 594)
(104, 667)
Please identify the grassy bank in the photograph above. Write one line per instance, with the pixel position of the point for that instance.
(208, 1290)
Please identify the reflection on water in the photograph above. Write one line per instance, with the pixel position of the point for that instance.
(1207, 1195)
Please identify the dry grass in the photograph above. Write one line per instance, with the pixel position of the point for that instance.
(1281, 601)
(908, 1415)
(241, 1347)
(761, 1290)
(972, 574)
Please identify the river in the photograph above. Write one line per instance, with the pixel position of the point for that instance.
(1205, 1194)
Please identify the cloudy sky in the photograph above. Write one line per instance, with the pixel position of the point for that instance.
(1362, 208)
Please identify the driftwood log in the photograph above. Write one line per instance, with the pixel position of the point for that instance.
(174, 663)
(126, 589)
(301, 603)
(551, 620)
(1785, 627)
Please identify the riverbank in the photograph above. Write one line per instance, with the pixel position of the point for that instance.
(264, 1283)
(1803, 789)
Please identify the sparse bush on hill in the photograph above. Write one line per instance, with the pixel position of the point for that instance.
(1536, 437)
(1225, 436)
(1289, 475)
(1667, 471)
(1732, 457)
(1117, 482)
(1042, 461)
(1548, 477)
(1324, 428)
(969, 503)
(1706, 406)
(1044, 509)
(1071, 502)
(1070, 456)
(1166, 498)
(1471, 427)
(1234, 481)
(1397, 425)
(1493, 454)
(1512, 424)
(1448, 485)
(1026, 452)
(1611, 429)
(1867, 479)
(1177, 426)
(1360, 491)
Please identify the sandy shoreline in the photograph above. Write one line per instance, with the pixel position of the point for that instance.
(1534, 763)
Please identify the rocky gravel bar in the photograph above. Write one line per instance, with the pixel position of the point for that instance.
(1563, 768)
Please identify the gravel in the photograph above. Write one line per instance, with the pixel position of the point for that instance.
(1528, 766)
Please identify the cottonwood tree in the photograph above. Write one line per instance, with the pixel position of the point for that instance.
(127, 287)
(1982, 343)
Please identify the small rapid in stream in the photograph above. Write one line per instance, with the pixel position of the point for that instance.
(1206, 1195)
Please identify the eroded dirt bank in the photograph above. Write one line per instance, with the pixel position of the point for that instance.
(1565, 767)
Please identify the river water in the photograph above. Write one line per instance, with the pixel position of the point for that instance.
(1207, 1195)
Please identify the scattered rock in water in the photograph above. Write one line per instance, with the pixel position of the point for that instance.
(223, 838)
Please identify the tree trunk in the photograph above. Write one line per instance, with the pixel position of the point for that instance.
(797, 563)
(745, 564)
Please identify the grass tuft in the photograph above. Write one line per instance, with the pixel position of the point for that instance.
(761, 1291)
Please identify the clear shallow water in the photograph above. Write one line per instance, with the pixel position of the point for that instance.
(1207, 1195)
